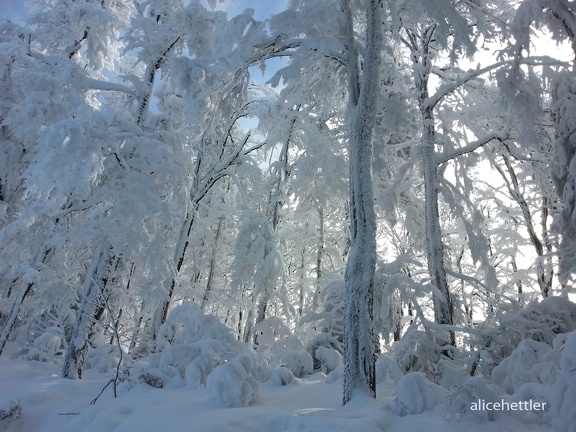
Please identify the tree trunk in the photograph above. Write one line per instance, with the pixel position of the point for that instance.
(277, 201)
(13, 314)
(565, 179)
(443, 311)
(95, 282)
(208, 290)
(319, 256)
(359, 349)
(15, 309)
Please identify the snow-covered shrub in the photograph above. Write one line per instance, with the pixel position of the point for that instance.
(448, 374)
(466, 397)
(335, 375)
(104, 358)
(524, 365)
(330, 320)
(299, 362)
(271, 332)
(42, 339)
(325, 340)
(419, 351)
(190, 344)
(329, 359)
(187, 323)
(282, 376)
(415, 394)
(387, 369)
(232, 383)
(562, 395)
(544, 320)
(190, 363)
(7, 416)
(151, 380)
(540, 322)
(45, 346)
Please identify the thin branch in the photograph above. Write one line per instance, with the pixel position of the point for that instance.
(446, 156)
(447, 89)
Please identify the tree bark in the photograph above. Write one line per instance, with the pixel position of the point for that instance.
(420, 46)
(95, 283)
(319, 256)
(359, 348)
(13, 314)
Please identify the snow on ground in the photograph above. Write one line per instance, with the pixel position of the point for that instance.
(313, 404)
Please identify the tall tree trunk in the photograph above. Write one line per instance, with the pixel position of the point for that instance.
(359, 349)
(319, 256)
(95, 282)
(565, 179)
(302, 282)
(13, 314)
(25, 289)
(420, 45)
(276, 199)
(210, 281)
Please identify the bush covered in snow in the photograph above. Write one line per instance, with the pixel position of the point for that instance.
(190, 344)
(330, 321)
(562, 394)
(415, 394)
(523, 366)
(475, 389)
(419, 350)
(329, 359)
(282, 376)
(232, 383)
(540, 322)
(298, 362)
(529, 357)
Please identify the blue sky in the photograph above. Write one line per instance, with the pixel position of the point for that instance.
(15, 9)
(12, 9)
(262, 8)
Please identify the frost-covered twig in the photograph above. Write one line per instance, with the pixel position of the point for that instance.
(116, 378)
(11, 414)
(446, 156)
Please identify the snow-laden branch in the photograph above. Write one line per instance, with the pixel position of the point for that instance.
(449, 88)
(446, 156)
(565, 16)
(87, 83)
(278, 48)
(475, 281)
(219, 171)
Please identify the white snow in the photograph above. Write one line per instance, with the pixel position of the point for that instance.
(415, 394)
(232, 383)
(48, 403)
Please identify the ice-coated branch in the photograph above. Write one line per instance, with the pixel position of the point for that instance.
(446, 156)
(446, 89)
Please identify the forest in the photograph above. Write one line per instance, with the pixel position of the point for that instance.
(376, 196)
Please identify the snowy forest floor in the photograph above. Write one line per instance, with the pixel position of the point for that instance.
(51, 403)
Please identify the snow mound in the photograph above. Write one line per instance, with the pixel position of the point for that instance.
(415, 394)
(329, 359)
(282, 376)
(190, 344)
(187, 323)
(465, 399)
(563, 393)
(299, 362)
(232, 383)
(554, 314)
(523, 366)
